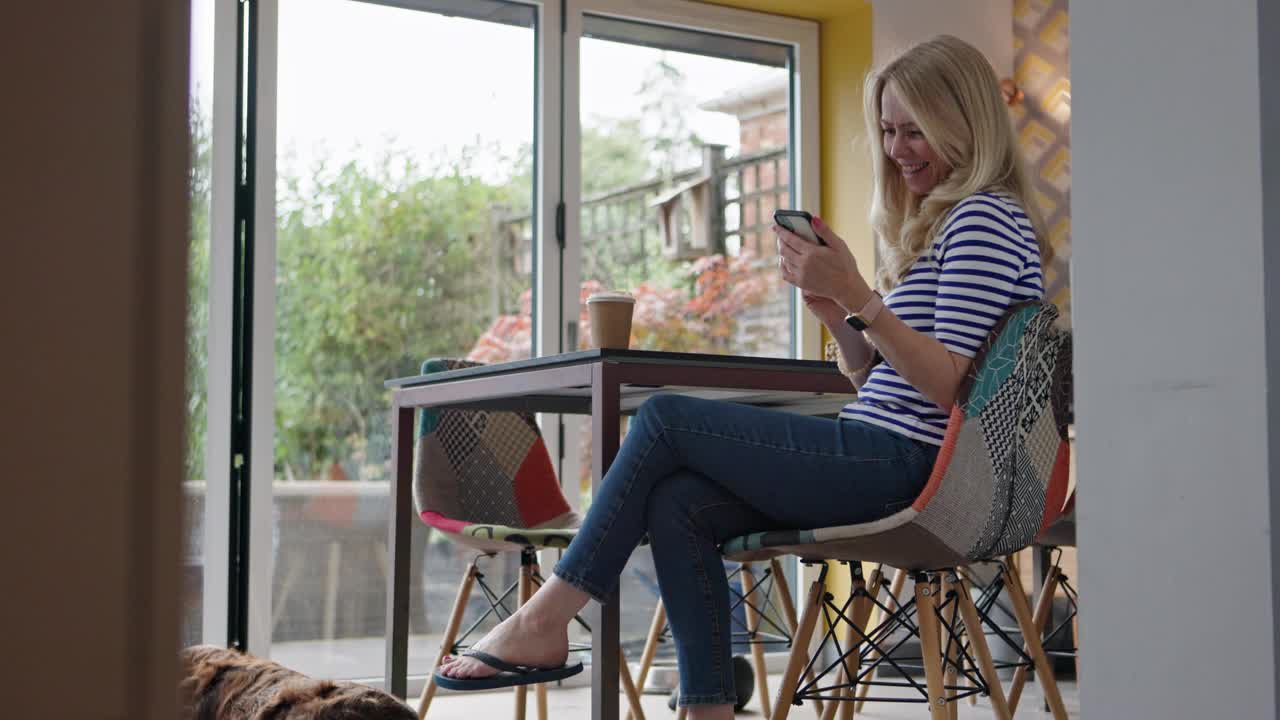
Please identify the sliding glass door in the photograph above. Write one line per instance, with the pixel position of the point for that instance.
(404, 231)
(393, 181)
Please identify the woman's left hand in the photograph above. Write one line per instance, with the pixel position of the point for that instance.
(829, 271)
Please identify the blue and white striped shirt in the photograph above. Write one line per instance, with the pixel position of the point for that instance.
(984, 259)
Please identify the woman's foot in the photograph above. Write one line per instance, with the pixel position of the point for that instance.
(537, 634)
(519, 640)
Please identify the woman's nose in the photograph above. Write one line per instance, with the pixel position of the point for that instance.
(896, 147)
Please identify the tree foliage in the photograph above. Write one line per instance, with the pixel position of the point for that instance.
(377, 270)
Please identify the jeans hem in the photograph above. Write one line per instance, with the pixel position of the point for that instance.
(581, 584)
(686, 700)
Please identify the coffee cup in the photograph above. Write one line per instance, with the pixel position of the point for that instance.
(610, 315)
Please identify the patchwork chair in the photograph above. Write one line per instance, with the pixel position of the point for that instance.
(999, 480)
(484, 479)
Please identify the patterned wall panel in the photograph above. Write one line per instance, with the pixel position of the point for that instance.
(1041, 45)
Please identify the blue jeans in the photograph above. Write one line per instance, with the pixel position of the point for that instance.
(693, 473)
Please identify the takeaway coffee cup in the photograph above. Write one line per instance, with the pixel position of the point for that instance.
(610, 314)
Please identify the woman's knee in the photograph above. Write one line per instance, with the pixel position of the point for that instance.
(686, 501)
(668, 410)
(673, 498)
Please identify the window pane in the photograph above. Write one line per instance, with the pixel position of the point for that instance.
(684, 159)
(685, 156)
(200, 103)
(404, 232)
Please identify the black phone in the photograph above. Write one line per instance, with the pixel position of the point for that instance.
(798, 222)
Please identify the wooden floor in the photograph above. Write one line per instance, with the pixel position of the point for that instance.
(574, 704)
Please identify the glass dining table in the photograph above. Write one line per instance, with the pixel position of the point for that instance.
(605, 384)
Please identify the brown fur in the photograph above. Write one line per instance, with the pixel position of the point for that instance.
(223, 684)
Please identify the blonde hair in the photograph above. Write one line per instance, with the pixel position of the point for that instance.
(950, 90)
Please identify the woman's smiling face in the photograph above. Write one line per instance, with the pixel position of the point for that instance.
(904, 143)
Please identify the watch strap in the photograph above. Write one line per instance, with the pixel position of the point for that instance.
(867, 314)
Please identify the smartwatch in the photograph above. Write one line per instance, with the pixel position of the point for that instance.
(862, 319)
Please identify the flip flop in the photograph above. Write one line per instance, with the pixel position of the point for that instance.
(509, 674)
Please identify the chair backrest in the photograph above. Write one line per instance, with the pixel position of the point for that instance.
(481, 466)
(1005, 459)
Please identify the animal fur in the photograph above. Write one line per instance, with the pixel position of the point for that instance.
(223, 684)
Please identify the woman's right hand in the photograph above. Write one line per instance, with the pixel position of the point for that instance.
(826, 309)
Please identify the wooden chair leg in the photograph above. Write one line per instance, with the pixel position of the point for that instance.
(848, 673)
(450, 634)
(629, 687)
(950, 677)
(844, 701)
(1041, 618)
(799, 656)
(525, 589)
(1044, 671)
(978, 642)
(967, 683)
(539, 690)
(650, 647)
(862, 618)
(783, 591)
(834, 704)
(752, 613)
(926, 603)
(1075, 642)
(895, 591)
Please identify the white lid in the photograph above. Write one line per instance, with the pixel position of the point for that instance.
(611, 297)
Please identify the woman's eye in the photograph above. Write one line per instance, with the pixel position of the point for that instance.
(887, 131)
(916, 134)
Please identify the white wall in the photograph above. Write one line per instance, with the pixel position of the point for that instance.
(1269, 82)
(93, 260)
(986, 24)
(1175, 437)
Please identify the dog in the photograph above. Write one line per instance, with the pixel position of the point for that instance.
(224, 684)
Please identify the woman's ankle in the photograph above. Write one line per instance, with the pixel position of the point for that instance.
(554, 606)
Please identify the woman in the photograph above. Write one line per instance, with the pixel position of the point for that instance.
(958, 241)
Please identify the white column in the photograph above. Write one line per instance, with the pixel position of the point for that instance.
(1175, 239)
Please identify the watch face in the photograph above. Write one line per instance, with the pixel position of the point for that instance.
(855, 321)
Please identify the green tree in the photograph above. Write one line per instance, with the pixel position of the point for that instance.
(377, 270)
(198, 292)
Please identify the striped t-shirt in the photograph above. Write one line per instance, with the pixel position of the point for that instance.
(984, 259)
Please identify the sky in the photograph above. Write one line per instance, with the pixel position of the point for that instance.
(356, 78)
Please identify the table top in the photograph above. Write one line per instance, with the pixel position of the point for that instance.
(652, 357)
(818, 387)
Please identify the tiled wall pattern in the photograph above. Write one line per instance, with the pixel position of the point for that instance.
(1041, 45)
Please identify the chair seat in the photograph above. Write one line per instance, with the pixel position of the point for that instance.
(497, 538)
(894, 540)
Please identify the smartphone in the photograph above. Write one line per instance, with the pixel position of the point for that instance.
(798, 222)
